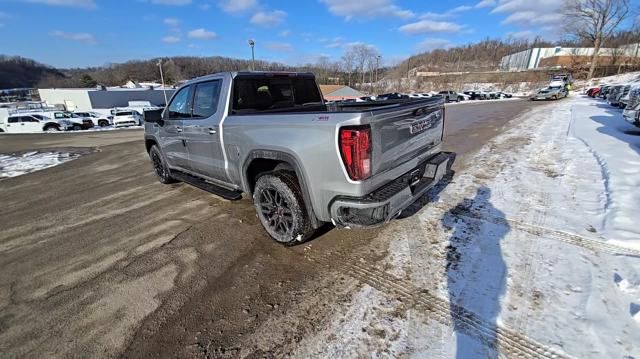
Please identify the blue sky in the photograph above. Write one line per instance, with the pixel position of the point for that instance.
(78, 33)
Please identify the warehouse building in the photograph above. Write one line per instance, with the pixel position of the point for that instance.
(92, 99)
(554, 57)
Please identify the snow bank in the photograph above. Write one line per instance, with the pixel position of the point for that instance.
(615, 144)
(13, 165)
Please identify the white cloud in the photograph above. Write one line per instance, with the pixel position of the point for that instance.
(171, 21)
(279, 46)
(201, 34)
(426, 26)
(268, 18)
(530, 14)
(75, 36)
(527, 34)
(171, 39)
(433, 44)
(285, 33)
(367, 9)
(204, 7)
(485, 3)
(235, 6)
(87, 4)
(171, 2)
(461, 8)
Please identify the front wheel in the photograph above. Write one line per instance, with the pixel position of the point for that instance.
(159, 166)
(278, 200)
(51, 129)
(103, 123)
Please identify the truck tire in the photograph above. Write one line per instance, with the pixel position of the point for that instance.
(77, 127)
(278, 200)
(51, 128)
(160, 167)
(103, 123)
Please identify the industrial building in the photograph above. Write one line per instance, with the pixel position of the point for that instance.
(92, 99)
(555, 57)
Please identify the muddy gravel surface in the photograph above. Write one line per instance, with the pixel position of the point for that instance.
(98, 259)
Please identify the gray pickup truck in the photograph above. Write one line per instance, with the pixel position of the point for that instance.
(304, 162)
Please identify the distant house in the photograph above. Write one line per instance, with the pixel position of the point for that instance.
(339, 92)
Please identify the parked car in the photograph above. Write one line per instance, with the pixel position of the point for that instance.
(504, 94)
(614, 95)
(97, 118)
(463, 97)
(549, 93)
(593, 91)
(127, 118)
(473, 95)
(604, 91)
(303, 163)
(30, 123)
(449, 96)
(391, 96)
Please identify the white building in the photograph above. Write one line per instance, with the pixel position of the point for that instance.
(95, 99)
(530, 59)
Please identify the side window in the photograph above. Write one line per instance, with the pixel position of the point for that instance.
(205, 99)
(179, 107)
(14, 120)
(58, 115)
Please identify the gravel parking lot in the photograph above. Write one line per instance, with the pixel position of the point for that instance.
(98, 259)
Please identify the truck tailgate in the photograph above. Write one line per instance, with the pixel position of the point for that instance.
(403, 132)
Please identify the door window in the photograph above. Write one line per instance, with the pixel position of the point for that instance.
(14, 119)
(205, 99)
(180, 105)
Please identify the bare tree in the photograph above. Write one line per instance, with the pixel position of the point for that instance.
(595, 21)
(348, 63)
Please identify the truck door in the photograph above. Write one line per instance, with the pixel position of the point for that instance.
(201, 131)
(30, 124)
(170, 129)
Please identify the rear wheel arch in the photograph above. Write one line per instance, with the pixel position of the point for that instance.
(259, 162)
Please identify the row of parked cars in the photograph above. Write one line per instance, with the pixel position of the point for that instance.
(449, 96)
(624, 96)
(50, 120)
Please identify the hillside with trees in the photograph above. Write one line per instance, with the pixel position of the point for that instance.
(18, 72)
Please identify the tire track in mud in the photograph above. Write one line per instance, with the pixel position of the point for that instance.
(509, 342)
(547, 233)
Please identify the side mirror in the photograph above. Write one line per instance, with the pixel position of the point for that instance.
(153, 116)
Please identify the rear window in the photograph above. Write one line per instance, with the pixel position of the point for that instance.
(267, 93)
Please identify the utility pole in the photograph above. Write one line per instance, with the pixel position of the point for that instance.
(252, 43)
(164, 89)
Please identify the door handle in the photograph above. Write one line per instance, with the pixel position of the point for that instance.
(212, 131)
(178, 129)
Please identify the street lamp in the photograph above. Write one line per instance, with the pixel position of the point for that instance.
(253, 57)
(164, 89)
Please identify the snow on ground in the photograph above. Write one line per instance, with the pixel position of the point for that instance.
(535, 241)
(609, 80)
(12, 165)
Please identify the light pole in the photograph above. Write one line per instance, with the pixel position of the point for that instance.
(253, 56)
(377, 67)
(164, 89)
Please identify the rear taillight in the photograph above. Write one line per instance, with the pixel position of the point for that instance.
(355, 148)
